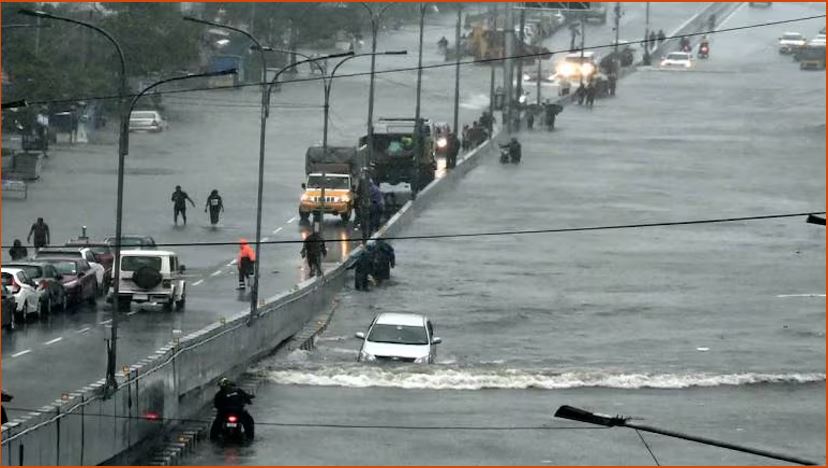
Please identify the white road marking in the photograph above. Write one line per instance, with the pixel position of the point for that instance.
(132, 313)
(800, 295)
(21, 353)
(291, 220)
(105, 322)
(232, 262)
(724, 21)
(265, 239)
(215, 273)
(198, 282)
(53, 341)
(276, 231)
(83, 330)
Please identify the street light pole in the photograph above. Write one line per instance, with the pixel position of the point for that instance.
(457, 50)
(254, 295)
(577, 414)
(646, 59)
(123, 147)
(418, 128)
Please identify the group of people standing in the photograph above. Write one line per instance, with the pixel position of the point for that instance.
(214, 205)
(375, 260)
(478, 132)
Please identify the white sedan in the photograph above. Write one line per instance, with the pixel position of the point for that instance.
(677, 60)
(25, 292)
(395, 337)
(150, 121)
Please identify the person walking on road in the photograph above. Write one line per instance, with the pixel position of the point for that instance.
(661, 37)
(530, 119)
(180, 199)
(17, 251)
(363, 265)
(377, 207)
(215, 205)
(313, 249)
(40, 230)
(452, 150)
(245, 261)
(581, 94)
(591, 90)
(612, 81)
(384, 260)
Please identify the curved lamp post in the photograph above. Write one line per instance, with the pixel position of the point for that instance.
(123, 149)
(577, 414)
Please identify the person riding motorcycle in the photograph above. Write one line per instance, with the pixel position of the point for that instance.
(684, 44)
(231, 399)
(514, 149)
(704, 47)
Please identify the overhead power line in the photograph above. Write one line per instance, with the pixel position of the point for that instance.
(521, 232)
(152, 417)
(429, 67)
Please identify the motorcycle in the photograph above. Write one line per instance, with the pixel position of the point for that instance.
(704, 52)
(231, 429)
(686, 48)
(506, 156)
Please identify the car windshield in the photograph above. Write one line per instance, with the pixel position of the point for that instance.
(143, 115)
(791, 37)
(66, 268)
(336, 183)
(132, 263)
(678, 56)
(399, 334)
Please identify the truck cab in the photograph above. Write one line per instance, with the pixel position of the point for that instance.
(395, 157)
(328, 193)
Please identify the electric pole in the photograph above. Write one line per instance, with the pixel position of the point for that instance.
(457, 49)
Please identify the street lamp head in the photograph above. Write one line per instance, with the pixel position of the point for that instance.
(577, 414)
(342, 54)
(35, 13)
(395, 52)
(197, 20)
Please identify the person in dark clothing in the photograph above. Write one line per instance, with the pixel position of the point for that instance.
(581, 94)
(530, 120)
(514, 149)
(180, 199)
(661, 37)
(384, 260)
(40, 230)
(652, 39)
(313, 249)
(362, 266)
(377, 207)
(6, 397)
(17, 251)
(215, 205)
(231, 399)
(591, 90)
(452, 150)
(612, 81)
(245, 261)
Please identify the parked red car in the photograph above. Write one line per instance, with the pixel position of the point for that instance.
(77, 277)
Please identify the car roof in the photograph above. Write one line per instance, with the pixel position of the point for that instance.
(11, 270)
(329, 174)
(789, 33)
(394, 318)
(58, 258)
(147, 253)
(62, 250)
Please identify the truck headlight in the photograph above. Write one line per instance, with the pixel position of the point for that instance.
(587, 69)
(363, 356)
(421, 360)
(566, 69)
(442, 142)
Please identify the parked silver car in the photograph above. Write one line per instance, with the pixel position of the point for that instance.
(399, 337)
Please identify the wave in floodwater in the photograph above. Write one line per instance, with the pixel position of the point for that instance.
(445, 378)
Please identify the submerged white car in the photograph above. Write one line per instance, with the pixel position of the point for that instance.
(399, 337)
(677, 60)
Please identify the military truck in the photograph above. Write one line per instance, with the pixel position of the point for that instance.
(395, 158)
(331, 179)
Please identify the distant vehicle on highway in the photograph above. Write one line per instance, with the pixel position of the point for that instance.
(8, 309)
(132, 242)
(102, 274)
(47, 279)
(790, 42)
(27, 298)
(759, 4)
(147, 120)
(396, 337)
(77, 278)
(574, 66)
(150, 276)
(677, 60)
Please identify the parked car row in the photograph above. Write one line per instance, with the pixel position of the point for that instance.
(60, 278)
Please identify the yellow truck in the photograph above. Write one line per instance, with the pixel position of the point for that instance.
(330, 182)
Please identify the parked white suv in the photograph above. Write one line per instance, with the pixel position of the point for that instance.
(153, 276)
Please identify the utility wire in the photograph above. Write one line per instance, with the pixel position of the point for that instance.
(513, 233)
(432, 66)
(647, 446)
(154, 418)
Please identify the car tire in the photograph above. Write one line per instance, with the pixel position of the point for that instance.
(146, 277)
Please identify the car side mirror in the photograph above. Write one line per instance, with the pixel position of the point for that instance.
(304, 187)
(182, 268)
(436, 340)
(360, 335)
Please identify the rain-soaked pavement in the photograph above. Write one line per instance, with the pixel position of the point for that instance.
(715, 330)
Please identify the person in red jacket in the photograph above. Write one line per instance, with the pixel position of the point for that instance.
(245, 261)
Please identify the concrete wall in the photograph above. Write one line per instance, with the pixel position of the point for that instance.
(177, 380)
